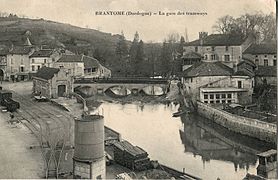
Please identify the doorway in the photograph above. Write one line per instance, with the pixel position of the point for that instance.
(61, 90)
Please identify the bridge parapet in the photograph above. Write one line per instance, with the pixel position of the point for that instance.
(121, 80)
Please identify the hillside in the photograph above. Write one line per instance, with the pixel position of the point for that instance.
(53, 34)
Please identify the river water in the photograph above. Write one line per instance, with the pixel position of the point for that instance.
(203, 148)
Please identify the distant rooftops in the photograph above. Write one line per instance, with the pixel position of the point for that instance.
(20, 50)
(208, 69)
(266, 48)
(42, 53)
(70, 58)
(46, 73)
(217, 40)
(192, 55)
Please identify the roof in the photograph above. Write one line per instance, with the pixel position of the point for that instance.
(244, 72)
(218, 40)
(192, 55)
(46, 73)
(208, 69)
(223, 89)
(42, 53)
(266, 48)
(20, 50)
(90, 62)
(266, 71)
(268, 153)
(70, 58)
(247, 61)
(129, 148)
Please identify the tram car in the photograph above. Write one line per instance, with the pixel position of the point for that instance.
(7, 101)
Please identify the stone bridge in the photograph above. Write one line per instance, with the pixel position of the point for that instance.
(122, 86)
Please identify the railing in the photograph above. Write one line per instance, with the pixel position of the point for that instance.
(240, 119)
(141, 80)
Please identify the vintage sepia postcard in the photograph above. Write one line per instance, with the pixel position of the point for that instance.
(138, 89)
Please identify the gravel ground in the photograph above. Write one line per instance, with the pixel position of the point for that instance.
(17, 159)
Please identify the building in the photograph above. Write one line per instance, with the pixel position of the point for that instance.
(3, 63)
(42, 57)
(214, 83)
(18, 63)
(52, 82)
(219, 47)
(92, 68)
(82, 66)
(264, 56)
(190, 58)
(73, 63)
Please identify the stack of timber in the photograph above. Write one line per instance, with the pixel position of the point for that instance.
(132, 157)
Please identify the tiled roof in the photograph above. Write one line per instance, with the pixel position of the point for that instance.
(266, 71)
(269, 48)
(250, 62)
(90, 62)
(192, 55)
(20, 50)
(218, 40)
(42, 53)
(70, 58)
(208, 69)
(244, 72)
(46, 73)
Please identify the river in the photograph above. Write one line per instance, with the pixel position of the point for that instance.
(203, 148)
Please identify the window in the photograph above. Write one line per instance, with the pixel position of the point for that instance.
(239, 84)
(33, 60)
(274, 56)
(229, 95)
(212, 48)
(206, 102)
(213, 57)
(229, 101)
(191, 79)
(257, 62)
(256, 56)
(211, 102)
(205, 96)
(21, 69)
(206, 57)
(44, 60)
(227, 48)
(39, 67)
(265, 55)
(265, 62)
(196, 49)
(274, 62)
(217, 96)
(33, 68)
(227, 57)
(223, 101)
(217, 101)
(12, 61)
(223, 95)
(211, 96)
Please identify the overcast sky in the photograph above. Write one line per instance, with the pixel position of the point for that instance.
(154, 28)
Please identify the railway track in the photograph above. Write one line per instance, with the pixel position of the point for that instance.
(52, 128)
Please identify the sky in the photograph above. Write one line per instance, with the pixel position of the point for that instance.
(150, 28)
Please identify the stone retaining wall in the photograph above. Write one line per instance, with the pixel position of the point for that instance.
(246, 126)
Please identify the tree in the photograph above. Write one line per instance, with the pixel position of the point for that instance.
(139, 60)
(165, 59)
(133, 53)
(262, 26)
(121, 56)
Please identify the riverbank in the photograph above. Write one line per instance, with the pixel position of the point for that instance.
(251, 127)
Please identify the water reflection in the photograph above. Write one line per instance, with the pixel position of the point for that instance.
(207, 139)
(203, 148)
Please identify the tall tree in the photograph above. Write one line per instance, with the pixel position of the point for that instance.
(133, 52)
(121, 56)
(165, 59)
(139, 63)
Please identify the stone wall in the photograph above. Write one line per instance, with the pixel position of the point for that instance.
(246, 126)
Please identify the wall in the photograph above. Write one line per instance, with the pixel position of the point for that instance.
(246, 126)
(41, 86)
(76, 69)
(15, 61)
(260, 58)
(235, 52)
(38, 62)
(62, 78)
